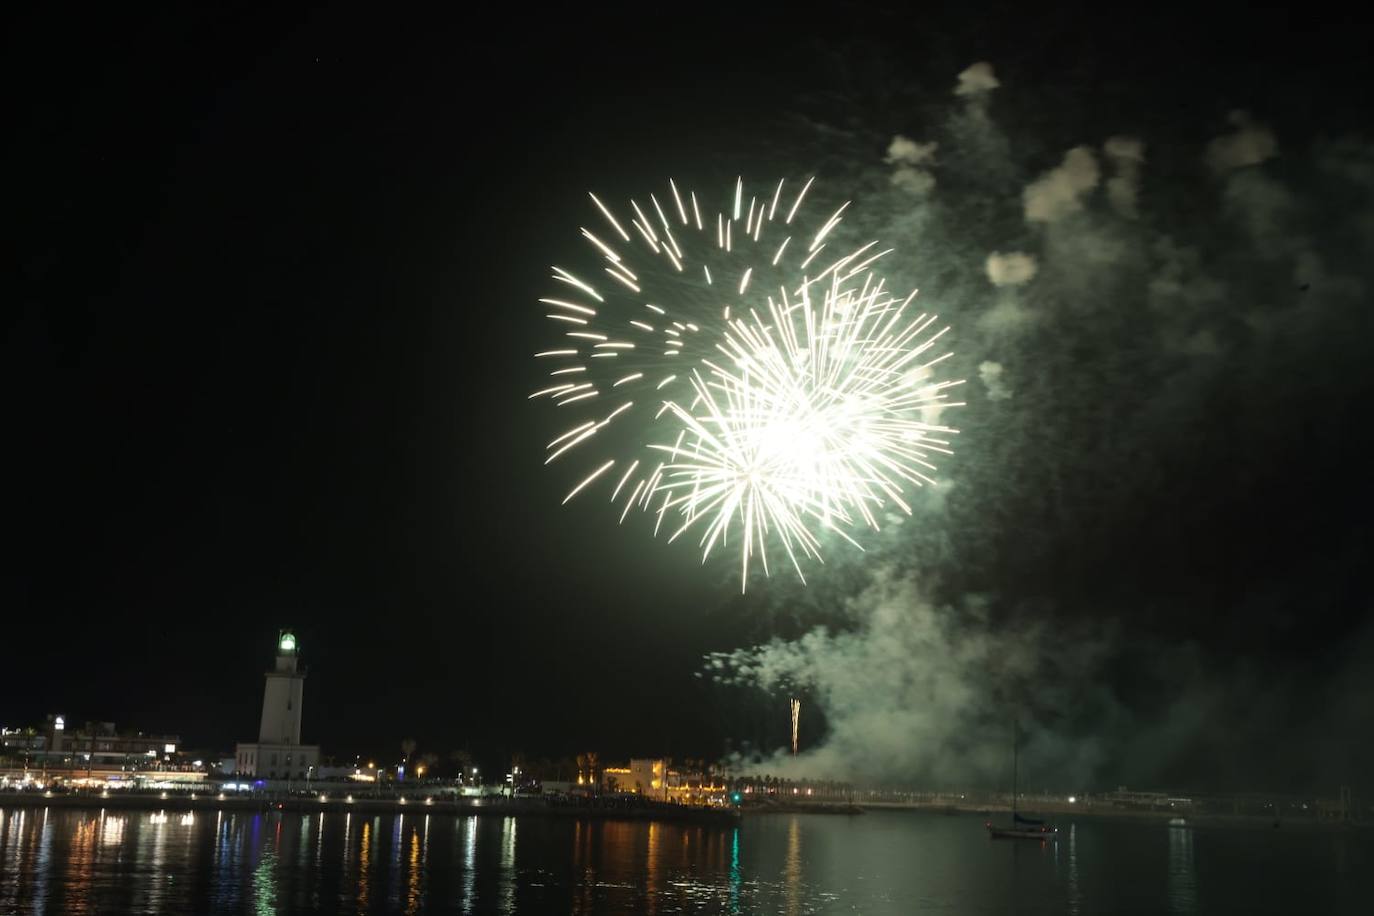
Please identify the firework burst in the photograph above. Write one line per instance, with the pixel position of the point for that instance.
(769, 387)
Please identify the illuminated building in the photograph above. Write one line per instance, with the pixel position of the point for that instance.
(278, 752)
(94, 746)
(655, 778)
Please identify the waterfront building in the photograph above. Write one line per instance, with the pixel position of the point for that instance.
(656, 778)
(93, 746)
(278, 752)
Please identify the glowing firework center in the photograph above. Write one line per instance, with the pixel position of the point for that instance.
(803, 402)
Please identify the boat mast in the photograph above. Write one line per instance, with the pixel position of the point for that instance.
(1015, 735)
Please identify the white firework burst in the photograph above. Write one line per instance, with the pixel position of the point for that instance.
(768, 387)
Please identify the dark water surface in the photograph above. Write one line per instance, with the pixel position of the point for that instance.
(75, 862)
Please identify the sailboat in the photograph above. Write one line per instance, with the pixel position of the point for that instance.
(1021, 828)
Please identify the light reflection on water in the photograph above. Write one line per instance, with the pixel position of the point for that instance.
(508, 877)
(1182, 882)
(736, 876)
(364, 857)
(1075, 894)
(86, 862)
(413, 882)
(265, 885)
(792, 872)
(469, 847)
(43, 867)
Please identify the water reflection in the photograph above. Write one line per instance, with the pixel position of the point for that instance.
(792, 871)
(319, 850)
(112, 829)
(1182, 881)
(43, 867)
(469, 862)
(508, 828)
(413, 892)
(651, 867)
(584, 874)
(303, 843)
(1075, 894)
(394, 872)
(347, 846)
(10, 848)
(80, 865)
(265, 885)
(1340, 853)
(223, 862)
(736, 875)
(364, 857)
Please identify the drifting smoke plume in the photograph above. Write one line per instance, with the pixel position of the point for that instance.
(1060, 191)
(990, 373)
(1248, 144)
(1126, 155)
(977, 80)
(1011, 269)
(924, 694)
(1119, 556)
(911, 159)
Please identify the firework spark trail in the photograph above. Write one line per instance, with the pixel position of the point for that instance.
(777, 387)
(796, 722)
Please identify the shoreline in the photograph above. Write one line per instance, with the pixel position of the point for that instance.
(1157, 816)
(313, 805)
(645, 812)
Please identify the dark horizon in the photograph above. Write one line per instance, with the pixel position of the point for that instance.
(270, 351)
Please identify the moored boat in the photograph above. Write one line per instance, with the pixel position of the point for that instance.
(1020, 828)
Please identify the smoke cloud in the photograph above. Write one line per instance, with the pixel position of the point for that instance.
(1117, 553)
(1060, 191)
(1248, 144)
(1126, 155)
(977, 80)
(910, 159)
(991, 375)
(1011, 269)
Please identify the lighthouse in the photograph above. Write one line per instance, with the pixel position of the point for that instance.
(281, 698)
(278, 752)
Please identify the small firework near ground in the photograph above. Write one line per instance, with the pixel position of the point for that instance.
(773, 384)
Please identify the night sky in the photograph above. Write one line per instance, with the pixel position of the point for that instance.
(268, 347)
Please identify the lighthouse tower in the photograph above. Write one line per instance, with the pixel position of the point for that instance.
(278, 753)
(281, 699)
